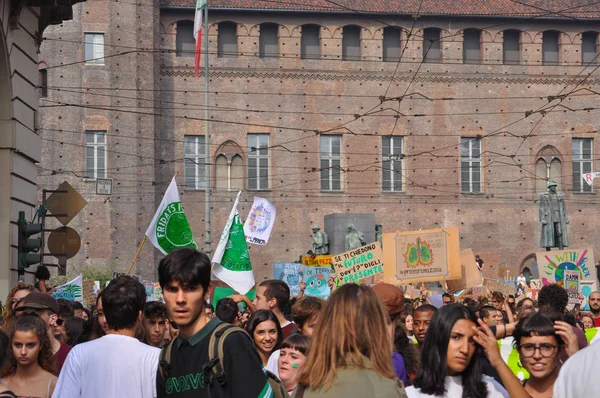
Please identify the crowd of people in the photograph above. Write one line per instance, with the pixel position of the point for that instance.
(364, 341)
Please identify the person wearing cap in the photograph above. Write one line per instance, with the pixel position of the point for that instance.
(392, 298)
(48, 309)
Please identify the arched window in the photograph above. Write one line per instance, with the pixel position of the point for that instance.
(229, 167)
(351, 43)
(185, 44)
(227, 40)
(548, 167)
(310, 42)
(269, 40)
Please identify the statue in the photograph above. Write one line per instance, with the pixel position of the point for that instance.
(320, 241)
(553, 216)
(354, 239)
(379, 234)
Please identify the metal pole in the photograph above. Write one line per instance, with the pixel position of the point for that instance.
(207, 158)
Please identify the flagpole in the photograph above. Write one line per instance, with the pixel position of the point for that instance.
(207, 240)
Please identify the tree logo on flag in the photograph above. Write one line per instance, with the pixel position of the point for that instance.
(173, 230)
(260, 219)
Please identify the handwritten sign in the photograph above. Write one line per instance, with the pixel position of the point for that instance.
(316, 281)
(313, 261)
(72, 290)
(552, 266)
(572, 286)
(357, 264)
(535, 284)
(291, 274)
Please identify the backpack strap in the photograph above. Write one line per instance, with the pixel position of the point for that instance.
(164, 365)
(216, 351)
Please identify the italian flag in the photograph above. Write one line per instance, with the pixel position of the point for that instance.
(200, 4)
(232, 259)
(169, 229)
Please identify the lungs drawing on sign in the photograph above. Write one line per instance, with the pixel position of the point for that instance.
(418, 254)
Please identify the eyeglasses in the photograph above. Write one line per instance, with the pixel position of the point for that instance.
(546, 350)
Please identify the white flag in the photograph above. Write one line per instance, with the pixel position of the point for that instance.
(169, 229)
(232, 259)
(260, 221)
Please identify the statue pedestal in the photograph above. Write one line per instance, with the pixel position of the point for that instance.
(336, 227)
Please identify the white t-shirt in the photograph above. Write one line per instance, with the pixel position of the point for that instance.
(454, 388)
(578, 377)
(273, 363)
(112, 366)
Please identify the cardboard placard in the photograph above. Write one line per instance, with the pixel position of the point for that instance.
(572, 286)
(495, 286)
(553, 264)
(88, 292)
(470, 275)
(316, 281)
(360, 263)
(291, 274)
(314, 261)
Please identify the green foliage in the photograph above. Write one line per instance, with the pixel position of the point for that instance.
(102, 273)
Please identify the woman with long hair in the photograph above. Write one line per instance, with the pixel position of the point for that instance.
(264, 328)
(406, 319)
(18, 292)
(31, 362)
(452, 359)
(99, 324)
(351, 349)
(409, 351)
(42, 277)
(4, 346)
(539, 339)
(291, 360)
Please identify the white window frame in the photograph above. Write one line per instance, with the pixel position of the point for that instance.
(394, 159)
(471, 160)
(329, 157)
(198, 159)
(96, 48)
(581, 161)
(254, 141)
(96, 146)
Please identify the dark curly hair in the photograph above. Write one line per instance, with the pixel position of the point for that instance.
(31, 322)
(42, 273)
(410, 353)
(553, 298)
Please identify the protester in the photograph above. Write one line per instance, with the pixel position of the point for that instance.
(228, 311)
(588, 320)
(499, 303)
(274, 295)
(77, 309)
(86, 314)
(47, 308)
(184, 276)
(539, 343)
(18, 292)
(77, 331)
(409, 351)
(407, 320)
(451, 360)
(154, 323)
(31, 363)
(347, 363)
(210, 310)
(594, 303)
(578, 378)
(294, 350)
(117, 364)
(526, 305)
(447, 298)
(421, 320)
(42, 276)
(489, 315)
(264, 328)
(4, 347)
(100, 327)
(65, 311)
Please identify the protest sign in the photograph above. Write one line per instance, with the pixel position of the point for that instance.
(158, 294)
(313, 261)
(572, 286)
(535, 284)
(552, 267)
(89, 296)
(493, 285)
(260, 221)
(316, 281)
(422, 256)
(470, 275)
(356, 264)
(72, 290)
(290, 273)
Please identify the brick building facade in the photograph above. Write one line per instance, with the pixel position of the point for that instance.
(453, 115)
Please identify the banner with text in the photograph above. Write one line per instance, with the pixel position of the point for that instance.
(553, 264)
(572, 286)
(313, 261)
(260, 221)
(357, 264)
(291, 274)
(72, 290)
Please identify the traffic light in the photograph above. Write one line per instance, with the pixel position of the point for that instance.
(28, 247)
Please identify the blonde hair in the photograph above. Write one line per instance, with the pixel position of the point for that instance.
(351, 331)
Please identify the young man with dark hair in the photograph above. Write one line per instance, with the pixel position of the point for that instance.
(184, 276)
(421, 320)
(447, 298)
(274, 295)
(155, 323)
(228, 311)
(117, 364)
(210, 310)
(48, 309)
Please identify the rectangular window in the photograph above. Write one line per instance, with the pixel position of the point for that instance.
(227, 40)
(331, 163)
(582, 163)
(391, 44)
(472, 46)
(268, 40)
(185, 44)
(589, 48)
(310, 42)
(258, 161)
(511, 47)
(431, 45)
(470, 164)
(43, 83)
(94, 48)
(351, 43)
(194, 167)
(391, 162)
(550, 48)
(95, 154)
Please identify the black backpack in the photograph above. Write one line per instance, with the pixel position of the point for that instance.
(214, 369)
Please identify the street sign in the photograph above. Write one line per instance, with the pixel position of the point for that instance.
(65, 205)
(64, 242)
(103, 186)
(589, 177)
